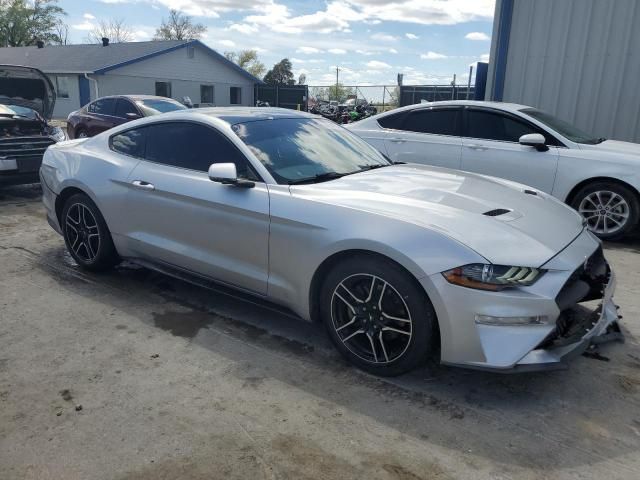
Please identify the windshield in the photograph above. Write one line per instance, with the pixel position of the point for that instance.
(297, 150)
(563, 128)
(154, 107)
(16, 110)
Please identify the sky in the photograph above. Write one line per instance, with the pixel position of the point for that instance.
(371, 41)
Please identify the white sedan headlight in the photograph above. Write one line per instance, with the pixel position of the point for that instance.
(492, 277)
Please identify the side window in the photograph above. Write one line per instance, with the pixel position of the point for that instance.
(131, 142)
(392, 121)
(123, 107)
(103, 106)
(495, 126)
(163, 89)
(206, 94)
(193, 146)
(235, 95)
(445, 121)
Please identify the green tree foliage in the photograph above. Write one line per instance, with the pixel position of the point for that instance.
(23, 22)
(247, 59)
(179, 27)
(280, 74)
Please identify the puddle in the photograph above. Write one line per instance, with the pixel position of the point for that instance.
(182, 324)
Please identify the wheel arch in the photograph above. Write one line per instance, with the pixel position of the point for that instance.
(571, 196)
(62, 198)
(325, 267)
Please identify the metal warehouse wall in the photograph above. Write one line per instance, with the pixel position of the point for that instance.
(577, 59)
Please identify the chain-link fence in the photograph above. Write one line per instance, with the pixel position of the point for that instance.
(383, 97)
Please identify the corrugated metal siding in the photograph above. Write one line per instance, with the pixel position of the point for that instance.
(579, 60)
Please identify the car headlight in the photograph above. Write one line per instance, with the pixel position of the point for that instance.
(57, 134)
(492, 277)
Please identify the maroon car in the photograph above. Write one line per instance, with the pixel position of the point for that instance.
(107, 112)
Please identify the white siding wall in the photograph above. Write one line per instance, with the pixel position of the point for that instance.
(185, 74)
(64, 106)
(580, 60)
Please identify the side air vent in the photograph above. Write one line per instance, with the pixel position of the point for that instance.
(531, 192)
(497, 212)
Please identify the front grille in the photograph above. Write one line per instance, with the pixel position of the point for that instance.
(24, 147)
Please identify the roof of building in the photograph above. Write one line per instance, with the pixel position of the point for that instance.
(94, 58)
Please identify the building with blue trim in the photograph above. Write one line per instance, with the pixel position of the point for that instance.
(172, 68)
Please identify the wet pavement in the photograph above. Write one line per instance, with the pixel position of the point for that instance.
(179, 381)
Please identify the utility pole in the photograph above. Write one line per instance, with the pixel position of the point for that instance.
(337, 71)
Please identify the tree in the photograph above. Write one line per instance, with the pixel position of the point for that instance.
(179, 27)
(248, 60)
(302, 79)
(114, 29)
(280, 74)
(23, 22)
(62, 31)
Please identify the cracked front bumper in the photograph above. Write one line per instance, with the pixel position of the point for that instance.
(573, 323)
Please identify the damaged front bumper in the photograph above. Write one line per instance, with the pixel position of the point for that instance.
(573, 300)
(576, 330)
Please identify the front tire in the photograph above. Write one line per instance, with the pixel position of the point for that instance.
(610, 209)
(86, 234)
(377, 315)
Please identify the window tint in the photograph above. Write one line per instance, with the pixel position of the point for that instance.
(193, 146)
(235, 95)
(392, 121)
(131, 142)
(163, 89)
(438, 121)
(103, 106)
(496, 126)
(123, 107)
(206, 93)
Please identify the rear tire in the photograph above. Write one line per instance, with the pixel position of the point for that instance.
(377, 315)
(86, 234)
(611, 210)
(81, 133)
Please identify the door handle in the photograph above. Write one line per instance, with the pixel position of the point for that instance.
(398, 140)
(476, 146)
(142, 184)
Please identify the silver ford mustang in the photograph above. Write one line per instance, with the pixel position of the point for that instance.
(400, 262)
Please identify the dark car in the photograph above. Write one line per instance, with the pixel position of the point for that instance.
(107, 112)
(27, 99)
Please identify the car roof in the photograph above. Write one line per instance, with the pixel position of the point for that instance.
(233, 115)
(137, 97)
(475, 103)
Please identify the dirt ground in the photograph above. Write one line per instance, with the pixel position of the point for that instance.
(134, 375)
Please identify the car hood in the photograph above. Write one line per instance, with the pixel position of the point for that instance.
(534, 228)
(614, 146)
(27, 87)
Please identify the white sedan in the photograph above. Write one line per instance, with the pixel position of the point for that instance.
(598, 177)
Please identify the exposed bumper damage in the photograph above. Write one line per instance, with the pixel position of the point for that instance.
(574, 297)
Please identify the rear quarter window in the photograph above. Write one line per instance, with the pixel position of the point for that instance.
(393, 121)
(132, 142)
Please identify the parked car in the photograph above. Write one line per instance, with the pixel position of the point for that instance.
(598, 177)
(27, 99)
(107, 112)
(398, 261)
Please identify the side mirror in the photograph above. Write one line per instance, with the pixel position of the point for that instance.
(534, 140)
(226, 174)
(133, 116)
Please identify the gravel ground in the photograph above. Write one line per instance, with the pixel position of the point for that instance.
(134, 375)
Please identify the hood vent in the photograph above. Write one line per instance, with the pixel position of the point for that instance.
(497, 212)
